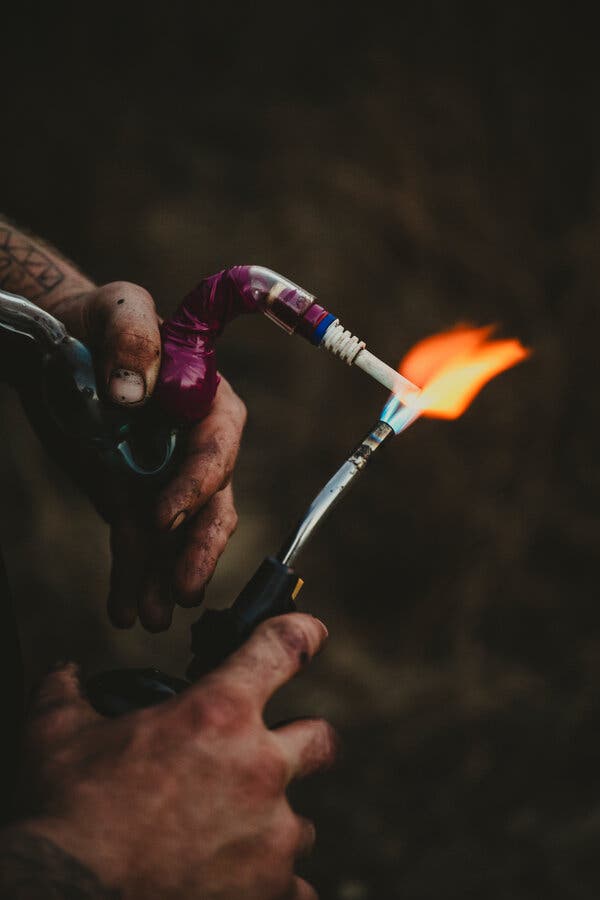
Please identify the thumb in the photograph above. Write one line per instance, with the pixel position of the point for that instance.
(58, 707)
(123, 329)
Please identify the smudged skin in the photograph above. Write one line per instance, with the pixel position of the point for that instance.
(168, 552)
(184, 800)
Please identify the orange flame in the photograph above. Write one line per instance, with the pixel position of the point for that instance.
(452, 367)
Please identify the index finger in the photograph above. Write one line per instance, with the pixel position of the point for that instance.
(210, 456)
(272, 655)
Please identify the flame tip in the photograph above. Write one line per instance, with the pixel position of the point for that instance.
(453, 366)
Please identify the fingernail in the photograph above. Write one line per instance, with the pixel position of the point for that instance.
(179, 518)
(156, 618)
(126, 386)
(322, 624)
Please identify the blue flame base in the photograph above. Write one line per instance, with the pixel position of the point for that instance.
(398, 415)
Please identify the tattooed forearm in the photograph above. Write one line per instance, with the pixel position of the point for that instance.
(32, 269)
(33, 868)
(25, 268)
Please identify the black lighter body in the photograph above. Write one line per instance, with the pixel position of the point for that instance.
(270, 592)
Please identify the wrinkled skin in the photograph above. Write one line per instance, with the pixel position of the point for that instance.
(187, 799)
(164, 548)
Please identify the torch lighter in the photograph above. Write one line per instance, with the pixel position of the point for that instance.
(275, 585)
(144, 444)
(271, 591)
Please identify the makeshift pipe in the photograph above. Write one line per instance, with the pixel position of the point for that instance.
(188, 377)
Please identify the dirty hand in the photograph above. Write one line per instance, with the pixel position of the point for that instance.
(166, 554)
(186, 799)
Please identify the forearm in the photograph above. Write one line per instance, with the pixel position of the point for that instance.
(31, 268)
(34, 868)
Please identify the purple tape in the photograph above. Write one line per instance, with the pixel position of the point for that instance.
(188, 378)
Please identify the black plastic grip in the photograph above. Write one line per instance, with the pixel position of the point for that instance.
(121, 691)
(270, 592)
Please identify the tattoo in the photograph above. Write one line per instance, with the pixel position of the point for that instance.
(33, 868)
(24, 267)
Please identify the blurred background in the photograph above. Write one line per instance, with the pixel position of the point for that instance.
(413, 171)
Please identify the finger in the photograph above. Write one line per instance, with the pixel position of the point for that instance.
(301, 890)
(308, 745)
(307, 835)
(129, 561)
(58, 706)
(155, 606)
(124, 332)
(205, 539)
(210, 456)
(273, 654)
(58, 688)
(140, 581)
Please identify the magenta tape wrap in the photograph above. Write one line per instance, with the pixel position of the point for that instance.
(188, 377)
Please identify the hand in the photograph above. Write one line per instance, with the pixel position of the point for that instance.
(168, 553)
(186, 799)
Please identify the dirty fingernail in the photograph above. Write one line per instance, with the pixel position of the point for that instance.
(126, 386)
(179, 518)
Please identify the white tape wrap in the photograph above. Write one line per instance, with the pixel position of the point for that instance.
(342, 343)
(353, 351)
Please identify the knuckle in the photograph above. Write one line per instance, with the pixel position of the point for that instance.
(137, 346)
(190, 582)
(199, 547)
(206, 468)
(198, 564)
(48, 725)
(130, 290)
(43, 727)
(219, 706)
(241, 410)
(222, 527)
(186, 491)
(295, 835)
(206, 452)
(232, 521)
(215, 531)
(269, 772)
(290, 636)
(325, 742)
(305, 834)
(305, 891)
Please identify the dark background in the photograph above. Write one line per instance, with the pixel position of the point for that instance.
(412, 171)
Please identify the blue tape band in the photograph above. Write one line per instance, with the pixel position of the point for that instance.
(319, 332)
